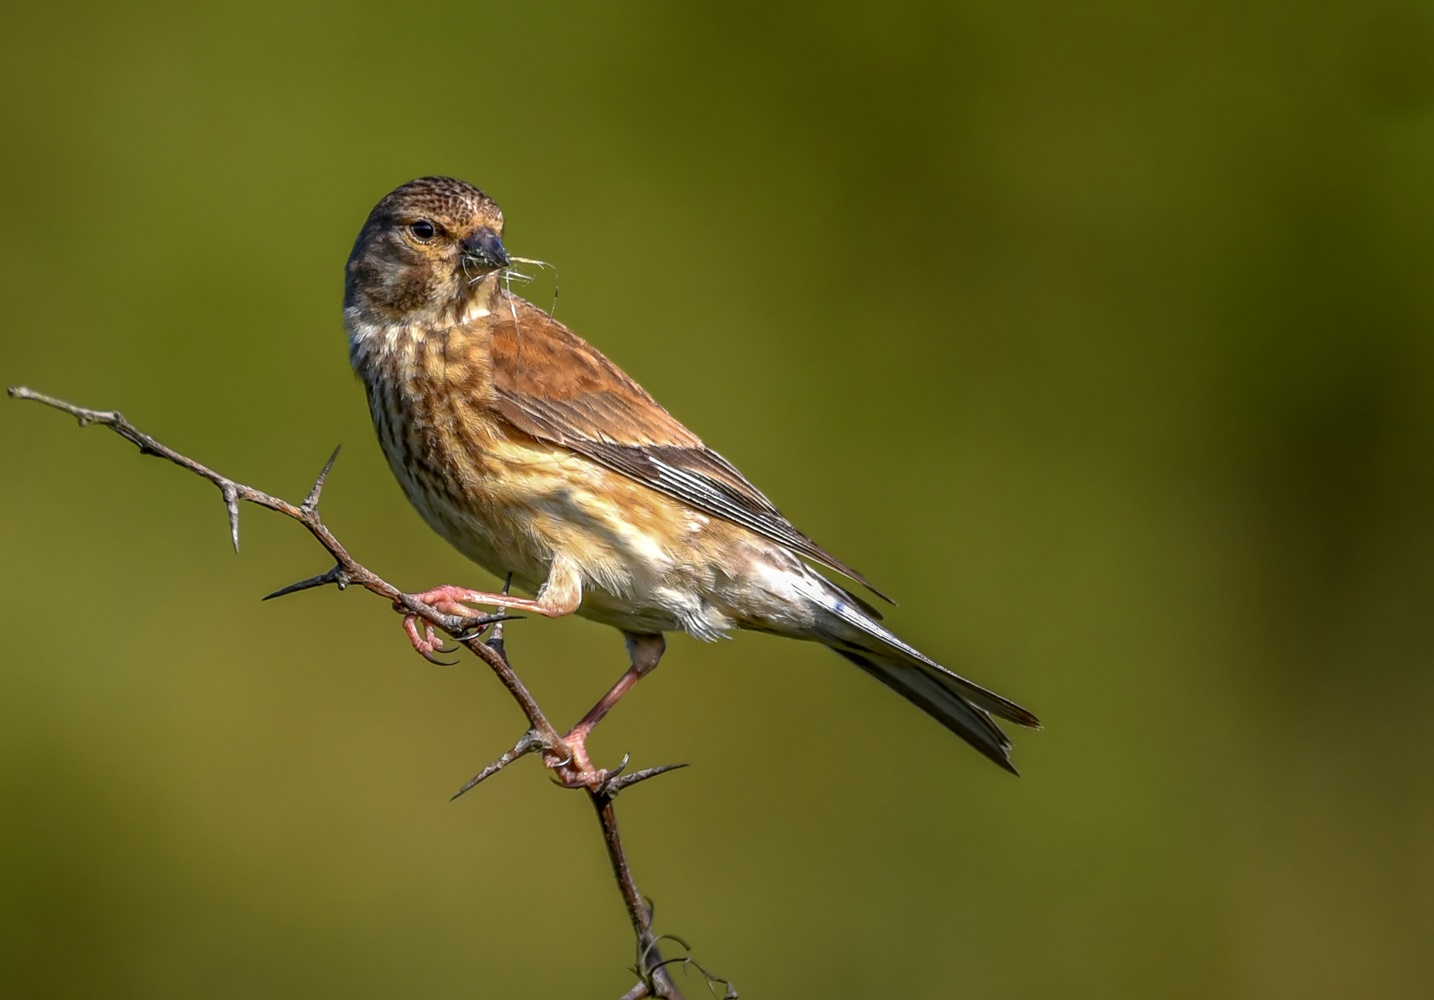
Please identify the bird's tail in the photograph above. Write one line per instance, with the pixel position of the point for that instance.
(849, 626)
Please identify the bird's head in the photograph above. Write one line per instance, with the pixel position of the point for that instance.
(425, 253)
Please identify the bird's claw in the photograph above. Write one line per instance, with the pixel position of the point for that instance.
(426, 641)
(594, 779)
(577, 770)
(472, 623)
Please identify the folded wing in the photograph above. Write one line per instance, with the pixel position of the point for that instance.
(550, 383)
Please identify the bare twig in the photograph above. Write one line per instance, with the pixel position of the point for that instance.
(541, 735)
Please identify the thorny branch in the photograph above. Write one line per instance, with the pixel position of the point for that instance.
(469, 633)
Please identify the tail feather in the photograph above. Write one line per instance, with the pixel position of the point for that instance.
(954, 712)
(958, 704)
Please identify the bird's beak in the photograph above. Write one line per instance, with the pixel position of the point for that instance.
(484, 247)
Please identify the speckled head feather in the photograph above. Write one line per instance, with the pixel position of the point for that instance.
(447, 197)
(421, 252)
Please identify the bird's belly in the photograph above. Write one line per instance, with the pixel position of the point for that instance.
(648, 563)
(489, 533)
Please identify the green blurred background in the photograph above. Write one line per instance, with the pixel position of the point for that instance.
(1098, 334)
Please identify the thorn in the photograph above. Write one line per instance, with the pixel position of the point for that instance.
(231, 501)
(495, 641)
(616, 785)
(334, 576)
(311, 502)
(481, 625)
(527, 743)
(495, 637)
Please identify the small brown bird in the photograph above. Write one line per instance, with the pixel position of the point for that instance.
(537, 457)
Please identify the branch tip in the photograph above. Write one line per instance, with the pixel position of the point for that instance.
(687, 961)
(658, 939)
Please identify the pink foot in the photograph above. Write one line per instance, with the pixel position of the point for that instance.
(577, 770)
(455, 601)
(425, 641)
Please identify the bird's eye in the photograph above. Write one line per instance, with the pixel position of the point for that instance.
(423, 230)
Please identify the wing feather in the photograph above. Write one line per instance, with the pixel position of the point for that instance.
(550, 383)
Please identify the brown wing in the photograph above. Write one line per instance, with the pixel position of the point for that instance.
(550, 383)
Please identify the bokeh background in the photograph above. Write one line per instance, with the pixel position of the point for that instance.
(1099, 334)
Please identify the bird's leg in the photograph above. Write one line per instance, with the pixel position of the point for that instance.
(455, 600)
(644, 651)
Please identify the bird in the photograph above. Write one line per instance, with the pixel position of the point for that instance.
(540, 460)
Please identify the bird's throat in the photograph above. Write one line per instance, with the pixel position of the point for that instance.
(375, 338)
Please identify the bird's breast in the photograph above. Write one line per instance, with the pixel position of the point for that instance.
(512, 502)
(509, 501)
(452, 455)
